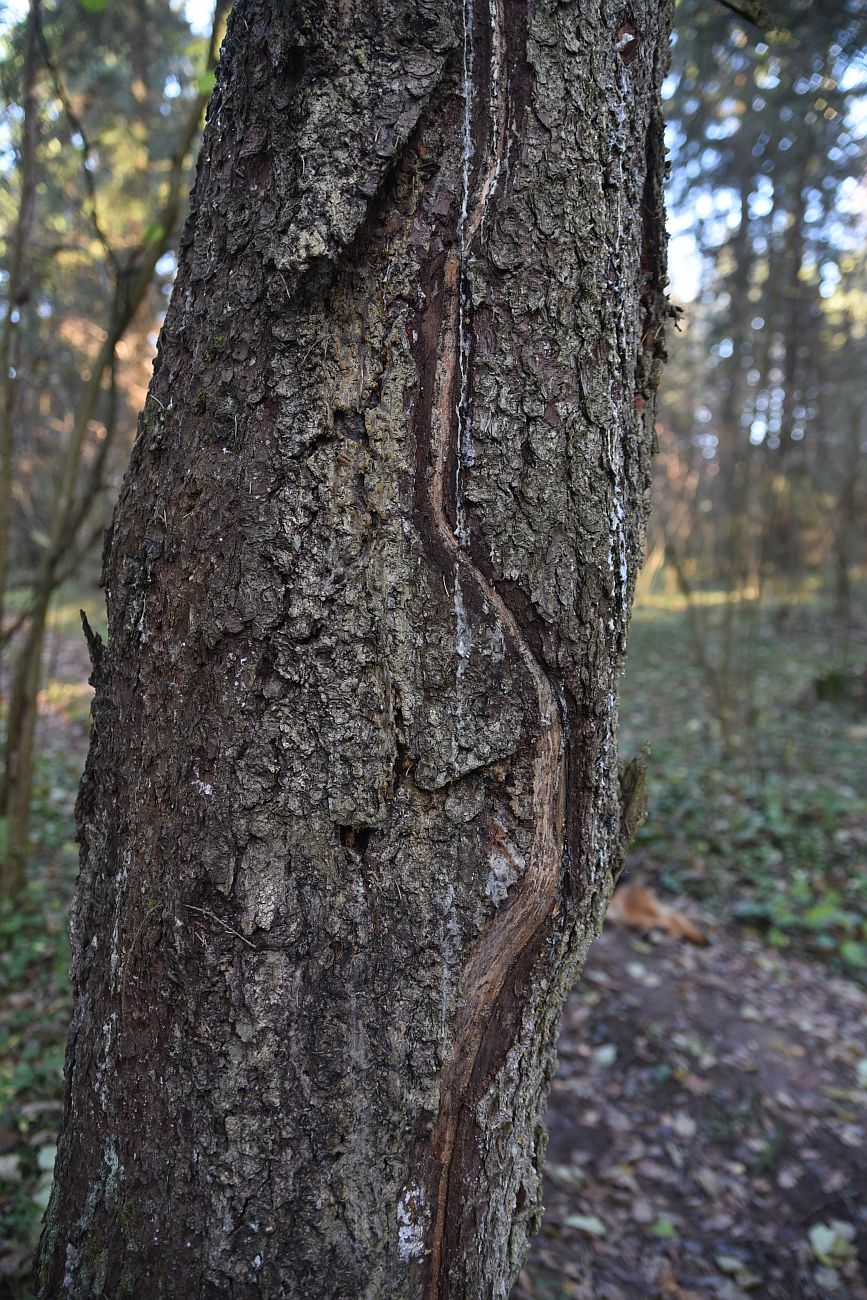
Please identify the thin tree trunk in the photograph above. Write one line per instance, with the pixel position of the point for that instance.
(16, 295)
(20, 751)
(350, 819)
(72, 503)
(845, 531)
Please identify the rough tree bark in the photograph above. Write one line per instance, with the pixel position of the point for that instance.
(350, 815)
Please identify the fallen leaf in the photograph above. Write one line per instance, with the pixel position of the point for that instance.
(729, 1264)
(565, 1175)
(708, 1181)
(663, 1228)
(586, 1223)
(637, 971)
(832, 1241)
(683, 1125)
(634, 906)
(605, 1055)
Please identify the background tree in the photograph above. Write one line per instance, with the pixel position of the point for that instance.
(350, 815)
(768, 148)
(17, 291)
(110, 175)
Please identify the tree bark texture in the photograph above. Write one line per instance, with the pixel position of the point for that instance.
(350, 815)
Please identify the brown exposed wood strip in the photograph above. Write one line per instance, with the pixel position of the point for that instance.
(515, 925)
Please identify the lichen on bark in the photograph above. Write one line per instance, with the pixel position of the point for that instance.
(350, 814)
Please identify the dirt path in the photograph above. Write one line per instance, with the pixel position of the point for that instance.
(707, 1129)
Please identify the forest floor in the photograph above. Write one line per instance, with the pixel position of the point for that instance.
(708, 1121)
(708, 1125)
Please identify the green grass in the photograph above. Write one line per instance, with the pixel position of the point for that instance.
(775, 835)
(35, 1003)
(34, 1015)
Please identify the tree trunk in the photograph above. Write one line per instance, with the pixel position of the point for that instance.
(17, 294)
(350, 817)
(20, 748)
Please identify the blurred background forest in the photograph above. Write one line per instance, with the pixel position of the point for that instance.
(747, 670)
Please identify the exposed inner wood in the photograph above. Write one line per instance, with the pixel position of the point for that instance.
(532, 899)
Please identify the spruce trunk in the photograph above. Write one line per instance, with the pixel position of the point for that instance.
(350, 816)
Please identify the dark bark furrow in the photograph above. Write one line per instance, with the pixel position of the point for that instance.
(513, 927)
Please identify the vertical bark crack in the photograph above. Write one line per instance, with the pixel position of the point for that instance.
(514, 926)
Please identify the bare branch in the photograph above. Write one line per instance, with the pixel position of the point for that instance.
(77, 128)
(752, 11)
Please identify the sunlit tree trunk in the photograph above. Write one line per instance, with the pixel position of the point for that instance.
(350, 815)
(16, 293)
